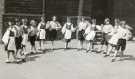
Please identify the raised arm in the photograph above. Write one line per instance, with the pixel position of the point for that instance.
(63, 29)
(48, 25)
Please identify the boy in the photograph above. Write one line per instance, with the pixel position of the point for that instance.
(121, 44)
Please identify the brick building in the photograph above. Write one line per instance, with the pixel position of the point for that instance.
(123, 9)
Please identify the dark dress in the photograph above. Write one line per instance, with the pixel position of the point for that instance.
(32, 36)
(52, 32)
(18, 38)
(81, 35)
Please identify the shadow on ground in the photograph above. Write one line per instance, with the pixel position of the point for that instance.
(127, 57)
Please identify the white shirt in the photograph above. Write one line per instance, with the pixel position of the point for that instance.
(54, 25)
(107, 28)
(40, 24)
(121, 33)
(83, 25)
(67, 32)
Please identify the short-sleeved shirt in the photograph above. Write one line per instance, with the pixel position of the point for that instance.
(82, 25)
(108, 28)
(41, 25)
(25, 29)
(54, 25)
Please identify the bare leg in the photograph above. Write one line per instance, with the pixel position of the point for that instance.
(8, 56)
(13, 54)
(66, 45)
(52, 45)
(114, 56)
(16, 52)
(25, 50)
(121, 53)
(81, 44)
(88, 46)
(40, 44)
(108, 51)
(92, 46)
(35, 50)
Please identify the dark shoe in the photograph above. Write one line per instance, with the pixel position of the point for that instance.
(104, 52)
(87, 51)
(113, 60)
(8, 61)
(106, 55)
(78, 49)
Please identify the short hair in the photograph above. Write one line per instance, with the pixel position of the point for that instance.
(123, 22)
(32, 22)
(107, 20)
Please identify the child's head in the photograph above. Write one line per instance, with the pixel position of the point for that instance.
(82, 19)
(93, 21)
(107, 21)
(54, 18)
(33, 22)
(10, 23)
(24, 21)
(122, 24)
(43, 18)
(17, 22)
(116, 21)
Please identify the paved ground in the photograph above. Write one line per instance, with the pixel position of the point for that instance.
(70, 64)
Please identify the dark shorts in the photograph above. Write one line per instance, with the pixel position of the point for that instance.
(121, 45)
(52, 35)
(106, 38)
(67, 40)
(99, 37)
(32, 40)
(18, 42)
(81, 35)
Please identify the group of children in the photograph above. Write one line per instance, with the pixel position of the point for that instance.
(18, 34)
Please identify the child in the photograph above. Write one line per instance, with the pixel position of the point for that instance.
(107, 30)
(121, 37)
(18, 38)
(112, 43)
(25, 35)
(42, 33)
(53, 26)
(32, 36)
(67, 31)
(9, 41)
(89, 36)
(96, 33)
(82, 25)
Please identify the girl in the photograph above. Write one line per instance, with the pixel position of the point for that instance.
(67, 31)
(53, 26)
(96, 33)
(89, 36)
(18, 38)
(112, 43)
(9, 41)
(25, 35)
(42, 33)
(82, 25)
(107, 30)
(33, 35)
